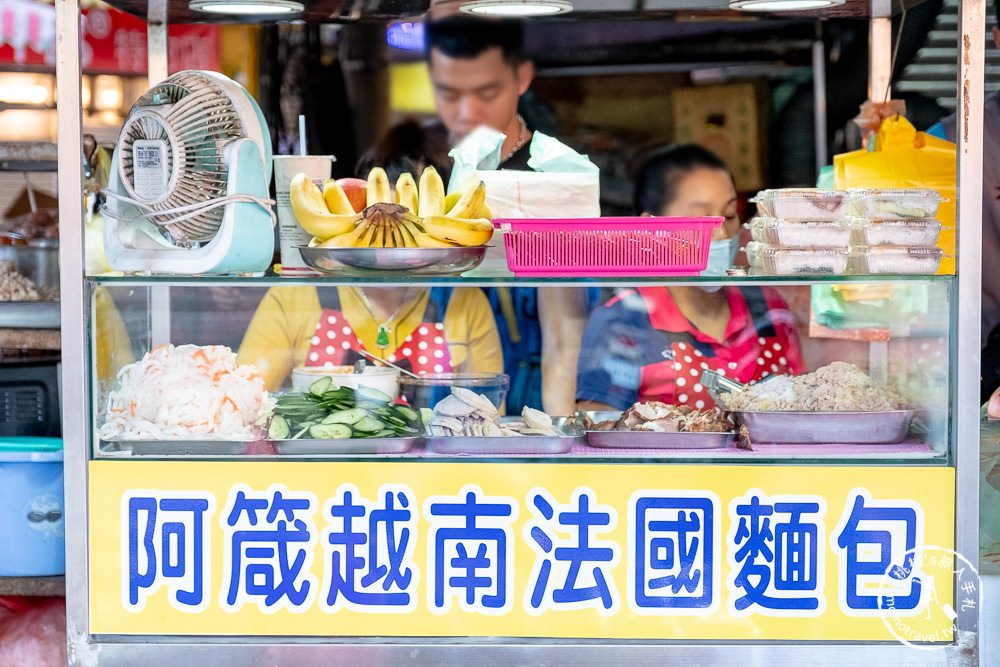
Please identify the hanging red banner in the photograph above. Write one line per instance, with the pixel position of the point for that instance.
(113, 42)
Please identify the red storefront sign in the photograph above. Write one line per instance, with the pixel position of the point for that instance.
(113, 42)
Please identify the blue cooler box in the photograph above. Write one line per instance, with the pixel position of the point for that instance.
(32, 529)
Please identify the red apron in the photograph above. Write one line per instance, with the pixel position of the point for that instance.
(745, 355)
(425, 349)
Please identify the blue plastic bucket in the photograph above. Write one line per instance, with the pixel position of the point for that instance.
(32, 529)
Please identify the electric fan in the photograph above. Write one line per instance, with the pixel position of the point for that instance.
(188, 189)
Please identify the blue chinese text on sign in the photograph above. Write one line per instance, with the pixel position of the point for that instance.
(368, 551)
(776, 549)
(470, 551)
(573, 572)
(875, 541)
(270, 538)
(168, 544)
(673, 539)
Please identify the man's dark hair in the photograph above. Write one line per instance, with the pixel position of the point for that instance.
(657, 178)
(470, 37)
(407, 147)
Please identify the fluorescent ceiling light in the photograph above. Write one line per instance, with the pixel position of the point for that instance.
(782, 5)
(516, 7)
(247, 7)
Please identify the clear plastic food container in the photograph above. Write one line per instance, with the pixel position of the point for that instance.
(779, 261)
(895, 204)
(911, 232)
(896, 260)
(805, 234)
(803, 204)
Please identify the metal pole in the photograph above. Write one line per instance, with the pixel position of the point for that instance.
(971, 69)
(158, 53)
(819, 99)
(156, 40)
(880, 59)
(75, 411)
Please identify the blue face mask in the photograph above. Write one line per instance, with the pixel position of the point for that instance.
(721, 255)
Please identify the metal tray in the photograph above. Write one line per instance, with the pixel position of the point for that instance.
(843, 428)
(511, 445)
(412, 261)
(177, 447)
(29, 315)
(650, 440)
(345, 446)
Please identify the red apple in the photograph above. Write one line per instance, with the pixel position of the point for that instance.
(356, 190)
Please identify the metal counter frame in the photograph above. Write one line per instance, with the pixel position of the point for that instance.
(88, 650)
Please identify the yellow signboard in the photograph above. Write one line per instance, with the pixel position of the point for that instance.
(424, 549)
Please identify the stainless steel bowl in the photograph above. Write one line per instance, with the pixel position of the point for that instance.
(40, 263)
(414, 261)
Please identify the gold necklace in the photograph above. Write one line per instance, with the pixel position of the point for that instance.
(385, 327)
(522, 138)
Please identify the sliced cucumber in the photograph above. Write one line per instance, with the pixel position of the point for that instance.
(392, 418)
(278, 429)
(319, 387)
(369, 425)
(384, 433)
(348, 417)
(330, 431)
(369, 395)
(426, 416)
(407, 413)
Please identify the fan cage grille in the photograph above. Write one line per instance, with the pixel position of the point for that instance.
(196, 126)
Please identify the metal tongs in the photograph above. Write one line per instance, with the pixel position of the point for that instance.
(716, 383)
(380, 360)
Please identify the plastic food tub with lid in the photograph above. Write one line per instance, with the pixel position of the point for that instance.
(896, 204)
(800, 234)
(32, 534)
(811, 204)
(910, 232)
(778, 261)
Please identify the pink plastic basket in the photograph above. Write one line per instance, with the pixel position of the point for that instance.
(584, 247)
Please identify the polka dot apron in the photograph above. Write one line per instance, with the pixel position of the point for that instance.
(747, 357)
(425, 349)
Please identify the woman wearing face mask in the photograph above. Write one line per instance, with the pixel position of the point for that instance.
(652, 343)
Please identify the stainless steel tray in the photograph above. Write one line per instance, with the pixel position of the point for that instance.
(29, 315)
(177, 447)
(512, 445)
(412, 261)
(345, 446)
(650, 440)
(842, 428)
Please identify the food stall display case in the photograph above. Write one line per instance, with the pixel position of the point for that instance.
(232, 552)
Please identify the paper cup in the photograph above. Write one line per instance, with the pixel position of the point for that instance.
(290, 235)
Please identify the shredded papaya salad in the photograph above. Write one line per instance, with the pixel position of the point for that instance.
(188, 391)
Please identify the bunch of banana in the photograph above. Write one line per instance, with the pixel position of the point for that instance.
(419, 216)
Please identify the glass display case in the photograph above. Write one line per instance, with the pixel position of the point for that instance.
(245, 487)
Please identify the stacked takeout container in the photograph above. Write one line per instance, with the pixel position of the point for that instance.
(800, 232)
(832, 232)
(894, 232)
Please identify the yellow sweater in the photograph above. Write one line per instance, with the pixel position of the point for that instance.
(279, 335)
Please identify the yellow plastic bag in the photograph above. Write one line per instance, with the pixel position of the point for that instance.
(905, 158)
